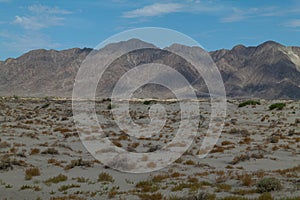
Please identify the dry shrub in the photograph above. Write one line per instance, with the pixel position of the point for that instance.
(240, 158)
(246, 179)
(105, 177)
(29, 173)
(34, 151)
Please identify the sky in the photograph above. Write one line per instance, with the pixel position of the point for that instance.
(214, 24)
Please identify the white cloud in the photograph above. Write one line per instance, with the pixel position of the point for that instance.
(25, 42)
(41, 17)
(37, 22)
(293, 23)
(48, 10)
(156, 9)
(238, 14)
(4, 1)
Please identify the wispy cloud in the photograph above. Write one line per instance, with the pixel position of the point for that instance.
(293, 23)
(49, 10)
(240, 14)
(4, 1)
(156, 9)
(35, 22)
(41, 17)
(25, 42)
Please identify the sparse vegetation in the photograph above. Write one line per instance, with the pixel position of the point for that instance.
(147, 186)
(268, 185)
(278, 106)
(66, 187)
(32, 187)
(105, 177)
(51, 151)
(77, 163)
(56, 179)
(29, 173)
(249, 102)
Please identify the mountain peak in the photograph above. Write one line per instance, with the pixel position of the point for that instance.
(133, 43)
(270, 43)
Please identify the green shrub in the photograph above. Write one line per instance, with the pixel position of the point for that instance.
(268, 185)
(111, 106)
(148, 102)
(278, 106)
(249, 102)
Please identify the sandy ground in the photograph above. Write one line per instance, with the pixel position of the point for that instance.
(40, 135)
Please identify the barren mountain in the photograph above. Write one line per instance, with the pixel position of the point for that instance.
(269, 70)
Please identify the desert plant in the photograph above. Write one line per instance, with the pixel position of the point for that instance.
(265, 196)
(268, 185)
(66, 187)
(34, 151)
(35, 187)
(56, 179)
(148, 102)
(77, 163)
(111, 106)
(29, 173)
(249, 102)
(278, 106)
(105, 177)
(51, 151)
(247, 179)
(157, 196)
(5, 163)
(147, 186)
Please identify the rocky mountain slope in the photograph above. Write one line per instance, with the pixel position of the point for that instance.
(269, 71)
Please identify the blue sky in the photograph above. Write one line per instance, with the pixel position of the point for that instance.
(215, 24)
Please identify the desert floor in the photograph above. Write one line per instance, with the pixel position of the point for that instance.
(42, 156)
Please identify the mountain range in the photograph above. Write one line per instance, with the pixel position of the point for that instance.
(269, 70)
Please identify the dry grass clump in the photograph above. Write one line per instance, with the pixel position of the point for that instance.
(29, 173)
(66, 187)
(156, 196)
(192, 186)
(51, 151)
(240, 158)
(246, 179)
(223, 187)
(226, 142)
(147, 186)
(56, 179)
(70, 197)
(34, 151)
(159, 178)
(217, 149)
(78, 163)
(5, 163)
(244, 191)
(4, 145)
(117, 143)
(189, 162)
(105, 177)
(175, 175)
(113, 192)
(32, 187)
(54, 162)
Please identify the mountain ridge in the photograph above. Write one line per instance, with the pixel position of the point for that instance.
(269, 70)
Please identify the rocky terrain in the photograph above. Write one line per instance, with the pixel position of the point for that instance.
(42, 157)
(269, 71)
